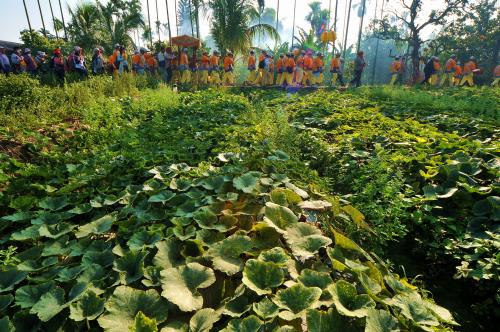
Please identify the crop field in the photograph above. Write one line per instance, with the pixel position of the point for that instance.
(127, 207)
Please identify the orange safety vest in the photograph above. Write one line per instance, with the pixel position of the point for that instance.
(214, 60)
(317, 64)
(469, 67)
(450, 65)
(289, 63)
(205, 62)
(228, 62)
(335, 64)
(395, 67)
(184, 59)
(458, 70)
(308, 63)
(251, 62)
(279, 64)
(300, 62)
(497, 71)
(437, 66)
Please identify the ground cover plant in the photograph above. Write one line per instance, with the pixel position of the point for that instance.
(240, 211)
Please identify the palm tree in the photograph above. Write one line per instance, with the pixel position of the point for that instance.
(27, 15)
(231, 24)
(317, 16)
(184, 21)
(347, 27)
(149, 24)
(85, 17)
(63, 23)
(41, 16)
(158, 23)
(361, 24)
(53, 19)
(118, 24)
(168, 23)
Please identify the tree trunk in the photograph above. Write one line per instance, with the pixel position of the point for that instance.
(53, 20)
(27, 16)
(41, 16)
(168, 22)
(415, 55)
(64, 24)
(157, 22)
(149, 24)
(347, 28)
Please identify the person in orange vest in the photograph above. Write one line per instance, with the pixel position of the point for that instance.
(469, 68)
(307, 80)
(437, 70)
(203, 70)
(185, 74)
(228, 69)
(396, 70)
(496, 76)
(261, 76)
(151, 63)
(215, 68)
(335, 69)
(252, 68)
(318, 69)
(193, 69)
(289, 68)
(112, 60)
(270, 70)
(299, 70)
(449, 70)
(280, 69)
(458, 74)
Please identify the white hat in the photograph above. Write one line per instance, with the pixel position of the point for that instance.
(27, 50)
(40, 53)
(77, 48)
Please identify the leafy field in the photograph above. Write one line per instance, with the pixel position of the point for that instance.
(128, 207)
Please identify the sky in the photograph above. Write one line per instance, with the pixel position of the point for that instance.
(14, 20)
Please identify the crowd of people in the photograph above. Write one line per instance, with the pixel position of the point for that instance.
(296, 68)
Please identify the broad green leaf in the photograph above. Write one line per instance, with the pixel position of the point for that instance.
(283, 196)
(327, 321)
(57, 230)
(169, 254)
(49, 305)
(161, 197)
(81, 209)
(5, 301)
(285, 328)
(311, 278)
(6, 325)
(26, 322)
(88, 307)
(180, 285)
(248, 324)
(143, 323)
(261, 277)
(27, 296)
(206, 219)
(381, 321)
(175, 326)
(99, 226)
(305, 240)
(279, 217)
(53, 203)
(348, 302)
(57, 247)
(441, 313)
(266, 309)
(237, 306)
(203, 320)
(296, 300)
(123, 306)
(143, 239)
(275, 255)
(415, 309)
(247, 182)
(10, 278)
(102, 258)
(152, 275)
(315, 205)
(184, 233)
(225, 255)
(348, 244)
(130, 266)
(28, 233)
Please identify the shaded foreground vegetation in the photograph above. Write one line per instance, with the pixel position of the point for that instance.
(125, 208)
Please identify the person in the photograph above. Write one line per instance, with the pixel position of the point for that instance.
(151, 63)
(252, 68)
(289, 68)
(112, 60)
(58, 64)
(421, 67)
(270, 70)
(449, 71)
(335, 69)
(139, 61)
(185, 75)
(214, 68)
(121, 60)
(469, 68)
(78, 61)
(307, 79)
(29, 61)
(193, 68)
(4, 61)
(496, 76)
(41, 64)
(299, 71)
(162, 63)
(429, 70)
(176, 76)
(17, 61)
(280, 69)
(396, 71)
(169, 63)
(458, 74)
(261, 76)
(97, 62)
(318, 69)
(203, 70)
(437, 69)
(359, 66)
(228, 69)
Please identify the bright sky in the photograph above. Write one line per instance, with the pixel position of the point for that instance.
(13, 17)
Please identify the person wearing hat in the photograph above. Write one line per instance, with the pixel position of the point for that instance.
(335, 69)
(41, 64)
(122, 60)
(396, 70)
(139, 61)
(280, 69)
(228, 77)
(449, 70)
(317, 73)
(30, 61)
(359, 66)
(252, 68)
(97, 62)
(185, 75)
(204, 68)
(261, 76)
(16, 61)
(308, 79)
(496, 77)
(112, 60)
(214, 68)
(458, 74)
(469, 68)
(78, 61)
(289, 69)
(4, 61)
(58, 64)
(437, 70)
(151, 63)
(299, 70)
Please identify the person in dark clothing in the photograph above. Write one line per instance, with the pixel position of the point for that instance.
(429, 70)
(359, 65)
